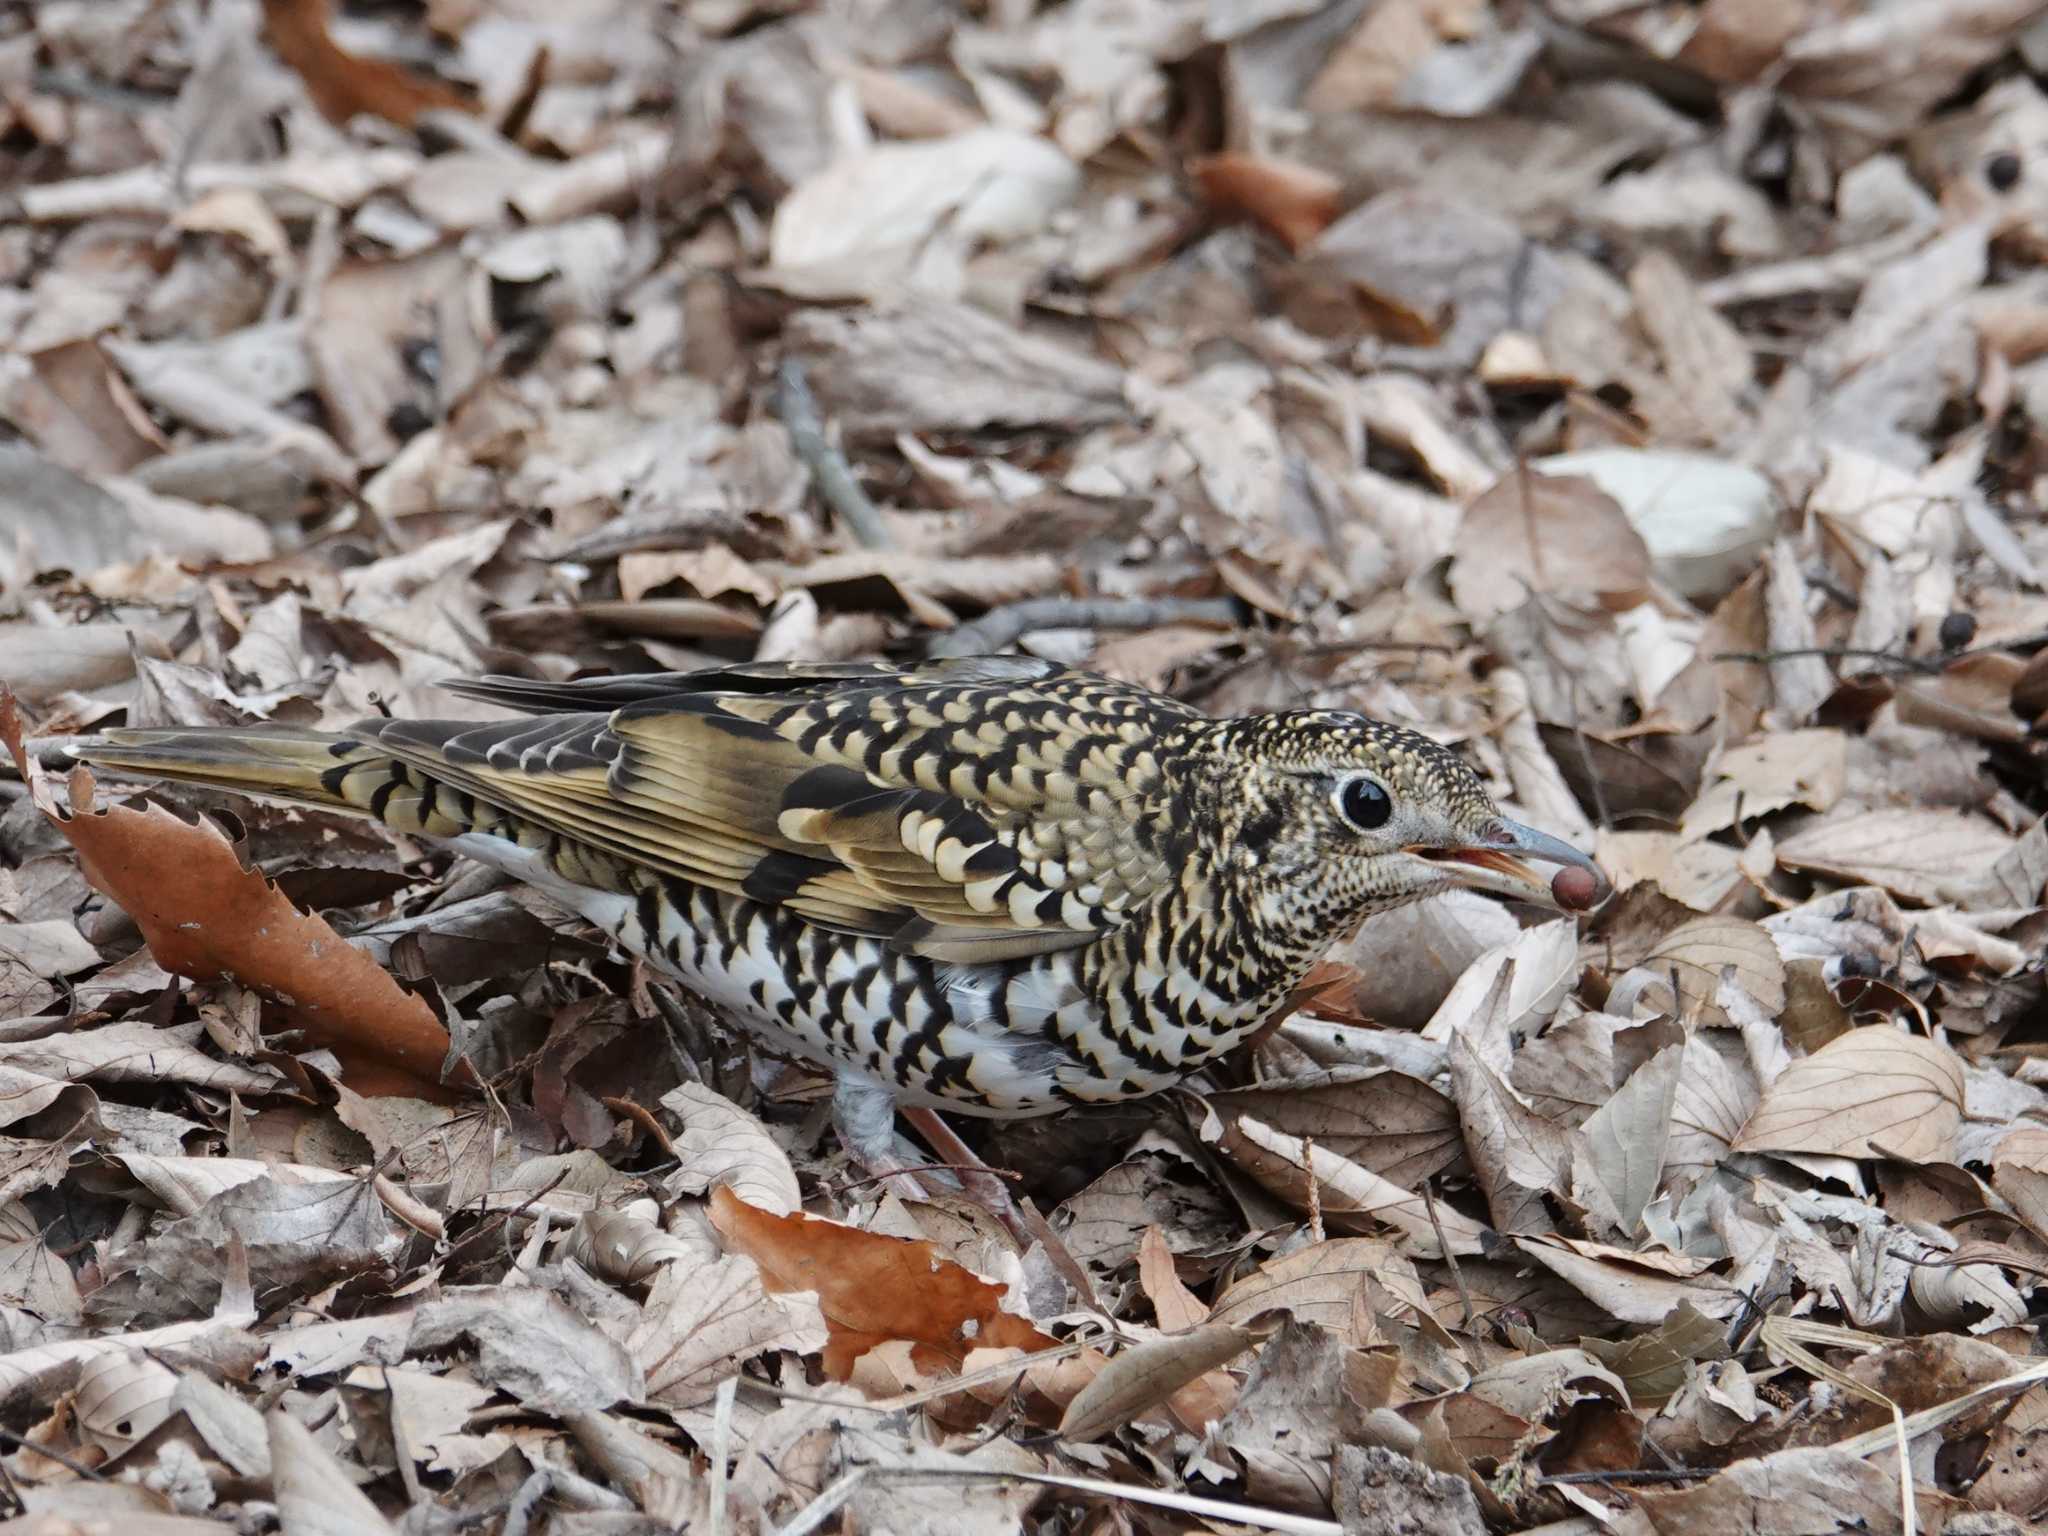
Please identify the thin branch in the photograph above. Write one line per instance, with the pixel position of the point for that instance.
(1450, 1258)
(1282, 654)
(796, 408)
(1002, 626)
(1839, 653)
(1640, 1475)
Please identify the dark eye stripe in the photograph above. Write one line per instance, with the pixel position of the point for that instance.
(1365, 804)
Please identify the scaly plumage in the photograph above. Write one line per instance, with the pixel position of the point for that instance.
(986, 884)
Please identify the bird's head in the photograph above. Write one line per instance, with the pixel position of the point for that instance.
(1336, 816)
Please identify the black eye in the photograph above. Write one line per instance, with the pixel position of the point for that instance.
(1364, 804)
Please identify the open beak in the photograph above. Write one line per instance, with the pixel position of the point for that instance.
(1499, 860)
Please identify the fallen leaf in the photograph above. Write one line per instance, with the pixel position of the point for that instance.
(702, 1322)
(1918, 852)
(1296, 202)
(1557, 535)
(1322, 1283)
(342, 84)
(1142, 1376)
(871, 1288)
(205, 916)
(722, 1144)
(1873, 1092)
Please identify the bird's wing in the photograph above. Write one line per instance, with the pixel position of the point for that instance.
(969, 810)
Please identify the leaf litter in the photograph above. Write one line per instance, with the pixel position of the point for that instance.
(1646, 400)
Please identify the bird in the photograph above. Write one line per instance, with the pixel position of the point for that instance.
(987, 885)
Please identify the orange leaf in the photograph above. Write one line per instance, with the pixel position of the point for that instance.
(873, 1288)
(205, 916)
(1296, 202)
(343, 84)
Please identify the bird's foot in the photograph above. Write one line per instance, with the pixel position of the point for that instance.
(864, 1115)
(980, 1183)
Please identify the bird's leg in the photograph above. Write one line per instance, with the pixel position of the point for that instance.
(988, 1189)
(981, 1183)
(864, 1115)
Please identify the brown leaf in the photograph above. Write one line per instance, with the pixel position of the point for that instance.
(1559, 535)
(1352, 1197)
(1807, 1490)
(342, 84)
(1918, 852)
(1874, 1092)
(1808, 768)
(1173, 1304)
(1322, 1283)
(1398, 1126)
(205, 916)
(720, 1143)
(1148, 1374)
(1618, 1154)
(1634, 1287)
(1296, 202)
(872, 1287)
(703, 1321)
(1696, 954)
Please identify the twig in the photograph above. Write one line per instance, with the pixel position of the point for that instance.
(1641, 1475)
(1450, 1258)
(1315, 1190)
(796, 408)
(1839, 653)
(22, 1442)
(824, 1506)
(1001, 626)
(876, 1178)
(644, 1118)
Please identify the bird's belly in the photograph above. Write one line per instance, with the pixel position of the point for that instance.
(1006, 1040)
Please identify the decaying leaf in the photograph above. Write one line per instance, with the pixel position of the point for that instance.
(700, 1323)
(1558, 535)
(1918, 853)
(870, 1287)
(206, 916)
(1873, 1092)
(341, 83)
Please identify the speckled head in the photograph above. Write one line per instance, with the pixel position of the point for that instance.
(1334, 816)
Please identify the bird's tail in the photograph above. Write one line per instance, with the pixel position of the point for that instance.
(336, 771)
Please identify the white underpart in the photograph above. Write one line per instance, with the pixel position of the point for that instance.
(1017, 1069)
(729, 985)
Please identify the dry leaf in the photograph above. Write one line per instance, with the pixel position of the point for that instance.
(1145, 1375)
(1557, 535)
(340, 83)
(1874, 1092)
(1918, 852)
(1296, 202)
(702, 1322)
(871, 1288)
(1322, 1284)
(722, 1144)
(205, 916)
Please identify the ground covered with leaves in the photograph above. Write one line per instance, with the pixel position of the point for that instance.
(1650, 400)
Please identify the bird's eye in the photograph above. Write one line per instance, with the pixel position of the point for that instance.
(1365, 804)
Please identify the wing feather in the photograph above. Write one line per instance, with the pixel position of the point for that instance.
(970, 810)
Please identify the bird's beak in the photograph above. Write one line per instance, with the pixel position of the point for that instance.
(1496, 860)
